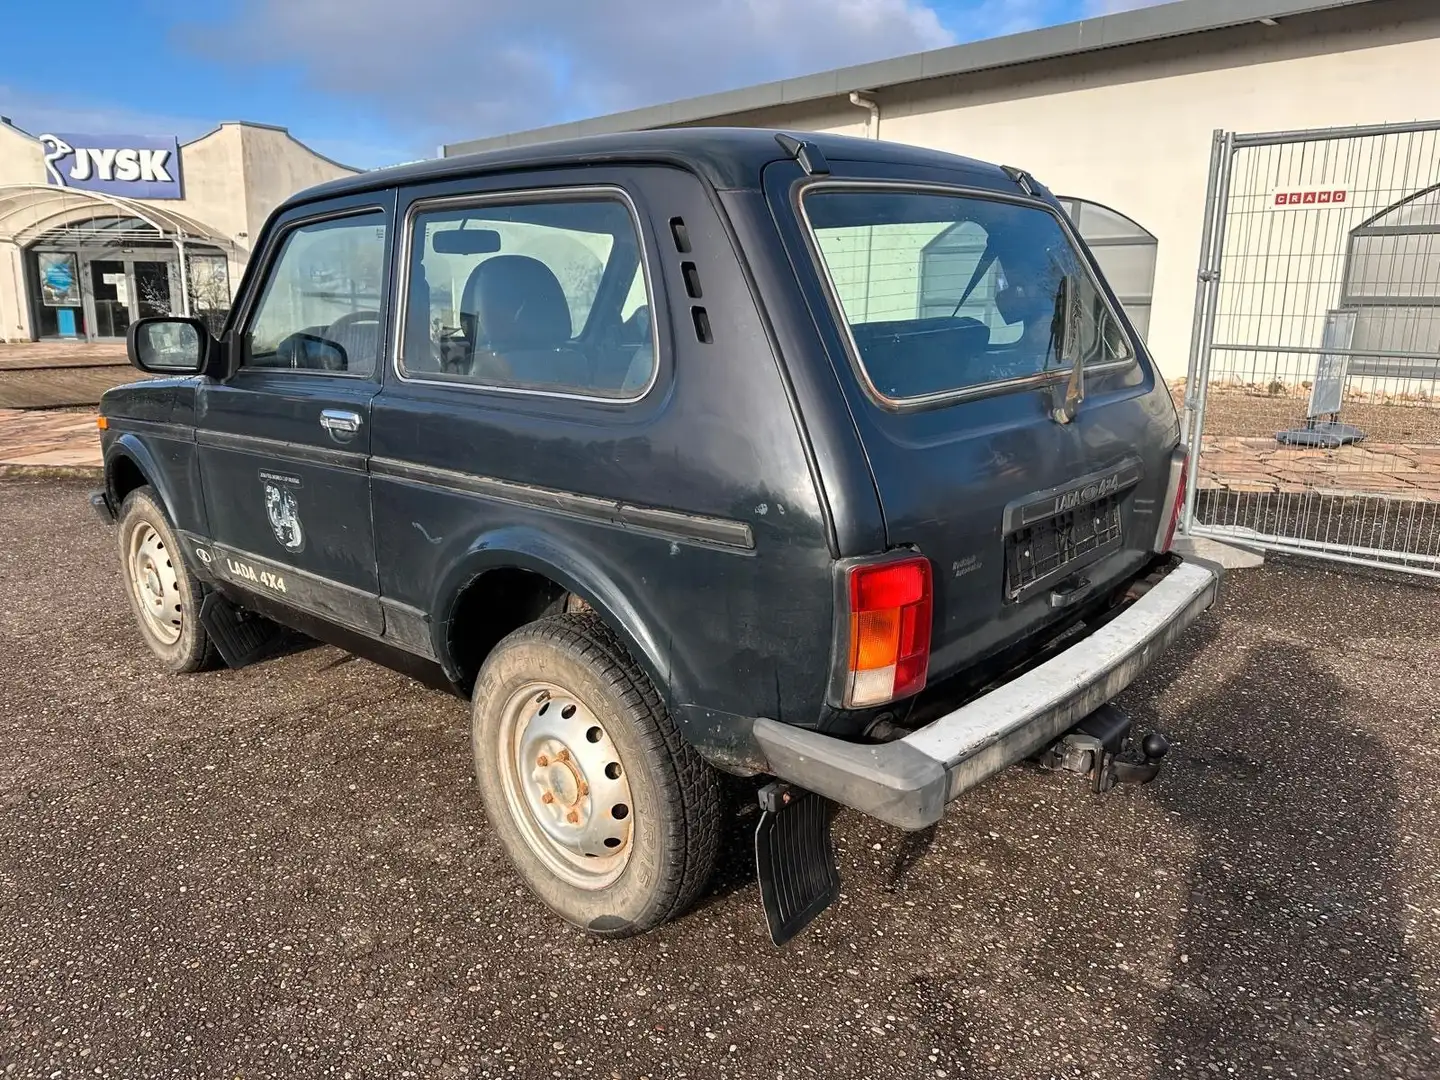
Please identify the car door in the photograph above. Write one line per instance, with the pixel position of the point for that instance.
(284, 442)
(526, 360)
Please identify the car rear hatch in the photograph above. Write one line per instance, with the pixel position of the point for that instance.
(965, 320)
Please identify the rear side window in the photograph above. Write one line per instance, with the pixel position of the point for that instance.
(944, 294)
(543, 294)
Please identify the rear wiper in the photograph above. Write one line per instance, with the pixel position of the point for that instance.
(1065, 340)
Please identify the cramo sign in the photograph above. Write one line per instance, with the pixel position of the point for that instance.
(137, 166)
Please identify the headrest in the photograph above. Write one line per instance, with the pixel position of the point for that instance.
(519, 303)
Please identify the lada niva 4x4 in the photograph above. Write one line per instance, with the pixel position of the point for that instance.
(827, 462)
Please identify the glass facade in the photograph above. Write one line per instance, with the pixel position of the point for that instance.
(1392, 283)
(1126, 254)
(92, 279)
(1125, 251)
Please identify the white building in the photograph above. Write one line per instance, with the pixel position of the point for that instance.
(99, 230)
(1117, 115)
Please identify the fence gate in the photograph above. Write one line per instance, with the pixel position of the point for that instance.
(1311, 396)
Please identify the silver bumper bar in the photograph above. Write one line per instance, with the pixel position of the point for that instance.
(909, 781)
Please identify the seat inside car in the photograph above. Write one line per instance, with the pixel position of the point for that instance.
(420, 353)
(515, 317)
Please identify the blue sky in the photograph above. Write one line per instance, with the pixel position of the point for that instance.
(372, 82)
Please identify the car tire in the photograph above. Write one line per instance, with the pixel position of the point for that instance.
(164, 595)
(611, 818)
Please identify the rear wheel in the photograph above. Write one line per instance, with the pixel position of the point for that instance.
(164, 595)
(609, 816)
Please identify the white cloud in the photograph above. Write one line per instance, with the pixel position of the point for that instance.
(1111, 7)
(452, 69)
(996, 18)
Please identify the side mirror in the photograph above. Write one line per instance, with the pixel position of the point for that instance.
(165, 345)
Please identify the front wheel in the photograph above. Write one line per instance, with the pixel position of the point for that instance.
(164, 595)
(609, 816)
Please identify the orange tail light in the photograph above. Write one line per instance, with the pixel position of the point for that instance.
(891, 610)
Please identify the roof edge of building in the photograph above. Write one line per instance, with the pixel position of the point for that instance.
(16, 127)
(1134, 27)
(283, 131)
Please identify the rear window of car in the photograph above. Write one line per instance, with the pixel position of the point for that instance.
(950, 294)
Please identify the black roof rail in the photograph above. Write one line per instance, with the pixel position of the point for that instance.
(810, 156)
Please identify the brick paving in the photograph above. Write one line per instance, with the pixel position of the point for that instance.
(42, 441)
(1263, 466)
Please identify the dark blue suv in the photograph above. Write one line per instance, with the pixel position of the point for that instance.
(825, 461)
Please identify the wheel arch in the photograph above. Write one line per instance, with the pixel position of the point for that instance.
(531, 572)
(129, 464)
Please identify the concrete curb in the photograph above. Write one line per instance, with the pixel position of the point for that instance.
(1230, 556)
(10, 471)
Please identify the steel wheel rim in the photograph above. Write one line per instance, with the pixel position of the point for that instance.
(155, 584)
(552, 744)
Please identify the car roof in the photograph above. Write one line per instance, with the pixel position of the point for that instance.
(728, 158)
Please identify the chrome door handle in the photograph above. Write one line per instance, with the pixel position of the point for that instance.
(340, 421)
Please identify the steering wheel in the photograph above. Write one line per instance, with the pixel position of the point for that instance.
(339, 331)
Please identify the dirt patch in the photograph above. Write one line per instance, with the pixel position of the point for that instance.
(52, 354)
(1257, 413)
(45, 388)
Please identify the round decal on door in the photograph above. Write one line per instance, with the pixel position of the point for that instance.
(282, 507)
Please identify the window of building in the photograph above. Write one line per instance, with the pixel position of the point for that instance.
(321, 306)
(209, 281)
(543, 295)
(1126, 254)
(1392, 282)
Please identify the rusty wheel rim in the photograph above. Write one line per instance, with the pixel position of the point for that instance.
(566, 785)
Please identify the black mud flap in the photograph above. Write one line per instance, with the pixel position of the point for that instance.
(794, 859)
(100, 502)
(241, 637)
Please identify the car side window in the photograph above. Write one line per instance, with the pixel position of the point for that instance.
(547, 295)
(320, 307)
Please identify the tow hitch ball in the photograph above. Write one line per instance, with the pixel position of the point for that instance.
(1102, 748)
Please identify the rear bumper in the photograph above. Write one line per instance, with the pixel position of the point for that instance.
(909, 781)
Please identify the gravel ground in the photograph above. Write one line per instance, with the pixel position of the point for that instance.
(284, 872)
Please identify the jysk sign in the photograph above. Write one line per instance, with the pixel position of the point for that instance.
(136, 166)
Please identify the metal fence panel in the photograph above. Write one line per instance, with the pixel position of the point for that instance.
(1313, 393)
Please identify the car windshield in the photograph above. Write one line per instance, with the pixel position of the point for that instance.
(949, 293)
